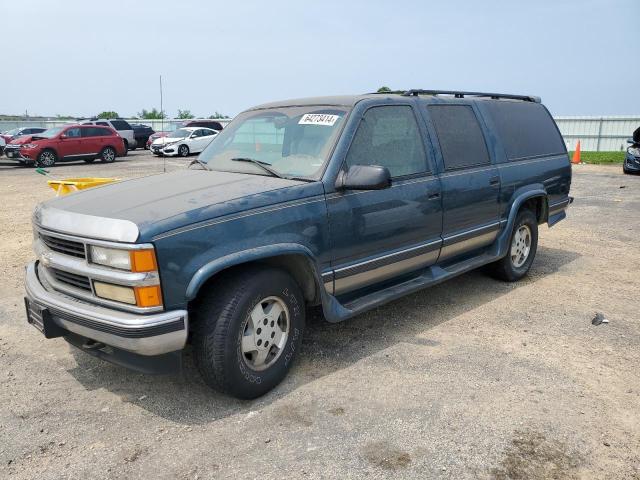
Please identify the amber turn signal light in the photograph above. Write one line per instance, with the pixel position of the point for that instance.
(143, 260)
(148, 296)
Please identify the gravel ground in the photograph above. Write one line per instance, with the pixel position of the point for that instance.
(473, 378)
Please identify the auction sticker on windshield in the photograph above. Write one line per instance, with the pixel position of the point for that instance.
(318, 119)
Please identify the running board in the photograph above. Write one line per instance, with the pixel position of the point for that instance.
(429, 277)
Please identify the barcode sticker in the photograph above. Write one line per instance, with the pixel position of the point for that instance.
(318, 119)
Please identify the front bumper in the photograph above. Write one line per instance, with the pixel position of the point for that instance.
(148, 335)
(14, 154)
(632, 163)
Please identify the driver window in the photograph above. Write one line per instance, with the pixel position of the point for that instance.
(389, 137)
(73, 133)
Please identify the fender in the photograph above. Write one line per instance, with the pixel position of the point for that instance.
(502, 242)
(208, 270)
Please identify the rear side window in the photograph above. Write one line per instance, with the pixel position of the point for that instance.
(526, 129)
(104, 124)
(120, 125)
(388, 136)
(460, 137)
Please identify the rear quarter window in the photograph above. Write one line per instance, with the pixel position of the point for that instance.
(121, 125)
(526, 129)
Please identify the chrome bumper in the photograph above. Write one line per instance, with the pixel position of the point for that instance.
(151, 334)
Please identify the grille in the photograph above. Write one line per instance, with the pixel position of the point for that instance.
(77, 281)
(68, 247)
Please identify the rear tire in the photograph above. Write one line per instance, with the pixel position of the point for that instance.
(126, 147)
(247, 330)
(47, 158)
(523, 245)
(108, 155)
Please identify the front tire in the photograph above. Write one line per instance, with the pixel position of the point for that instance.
(247, 331)
(126, 147)
(47, 158)
(522, 249)
(183, 151)
(108, 155)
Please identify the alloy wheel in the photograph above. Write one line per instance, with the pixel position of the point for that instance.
(265, 333)
(521, 246)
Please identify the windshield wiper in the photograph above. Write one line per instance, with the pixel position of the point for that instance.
(199, 162)
(263, 165)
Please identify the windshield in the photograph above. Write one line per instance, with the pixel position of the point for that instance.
(180, 133)
(52, 132)
(293, 141)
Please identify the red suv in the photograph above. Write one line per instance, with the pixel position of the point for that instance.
(65, 144)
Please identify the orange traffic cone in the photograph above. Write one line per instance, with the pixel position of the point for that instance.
(576, 154)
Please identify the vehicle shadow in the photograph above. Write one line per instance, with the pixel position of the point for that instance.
(327, 347)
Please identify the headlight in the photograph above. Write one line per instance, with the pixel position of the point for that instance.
(111, 257)
(29, 145)
(635, 151)
(143, 260)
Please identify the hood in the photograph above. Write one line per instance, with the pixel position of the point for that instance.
(164, 202)
(21, 140)
(165, 140)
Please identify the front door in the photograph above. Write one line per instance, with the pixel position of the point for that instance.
(70, 146)
(470, 183)
(380, 234)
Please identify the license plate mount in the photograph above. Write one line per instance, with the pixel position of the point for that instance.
(40, 318)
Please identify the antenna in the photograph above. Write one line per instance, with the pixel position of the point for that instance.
(164, 162)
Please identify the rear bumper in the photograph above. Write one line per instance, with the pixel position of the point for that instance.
(147, 335)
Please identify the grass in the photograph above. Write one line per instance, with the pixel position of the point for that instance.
(601, 157)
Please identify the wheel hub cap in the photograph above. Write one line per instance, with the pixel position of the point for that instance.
(265, 333)
(521, 246)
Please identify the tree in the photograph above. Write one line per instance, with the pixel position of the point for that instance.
(384, 90)
(108, 114)
(217, 116)
(185, 114)
(153, 114)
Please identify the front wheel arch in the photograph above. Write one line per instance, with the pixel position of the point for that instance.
(294, 260)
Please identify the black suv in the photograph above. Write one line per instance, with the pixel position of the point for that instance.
(141, 133)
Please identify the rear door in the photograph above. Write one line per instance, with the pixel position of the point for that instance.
(92, 140)
(470, 181)
(378, 235)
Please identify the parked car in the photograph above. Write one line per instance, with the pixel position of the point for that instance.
(141, 133)
(18, 132)
(342, 202)
(632, 158)
(155, 136)
(212, 124)
(67, 144)
(2, 145)
(183, 142)
(124, 129)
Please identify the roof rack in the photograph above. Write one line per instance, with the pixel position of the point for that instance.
(460, 94)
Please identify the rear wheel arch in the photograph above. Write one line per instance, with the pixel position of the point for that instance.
(539, 205)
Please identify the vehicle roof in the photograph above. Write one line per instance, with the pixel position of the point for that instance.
(351, 100)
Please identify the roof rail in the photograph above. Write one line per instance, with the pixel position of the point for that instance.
(460, 94)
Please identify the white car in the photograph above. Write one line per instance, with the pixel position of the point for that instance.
(183, 141)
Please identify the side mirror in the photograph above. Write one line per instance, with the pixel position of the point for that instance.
(364, 177)
(63, 136)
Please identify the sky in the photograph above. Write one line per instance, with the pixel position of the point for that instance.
(81, 57)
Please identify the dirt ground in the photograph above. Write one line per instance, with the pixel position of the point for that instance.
(473, 378)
